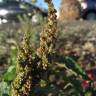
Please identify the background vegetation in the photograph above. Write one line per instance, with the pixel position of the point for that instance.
(72, 72)
(74, 41)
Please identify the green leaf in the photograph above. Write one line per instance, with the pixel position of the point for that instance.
(76, 67)
(10, 74)
(4, 88)
(71, 64)
(43, 83)
(10, 69)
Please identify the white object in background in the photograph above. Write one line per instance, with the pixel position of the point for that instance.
(0, 21)
(57, 14)
(3, 12)
(35, 18)
(4, 21)
(84, 5)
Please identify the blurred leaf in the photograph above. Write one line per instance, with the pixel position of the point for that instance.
(43, 83)
(10, 69)
(71, 64)
(10, 74)
(88, 94)
(76, 83)
(13, 56)
(4, 89)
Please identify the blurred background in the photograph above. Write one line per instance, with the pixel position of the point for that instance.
(76, 40)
